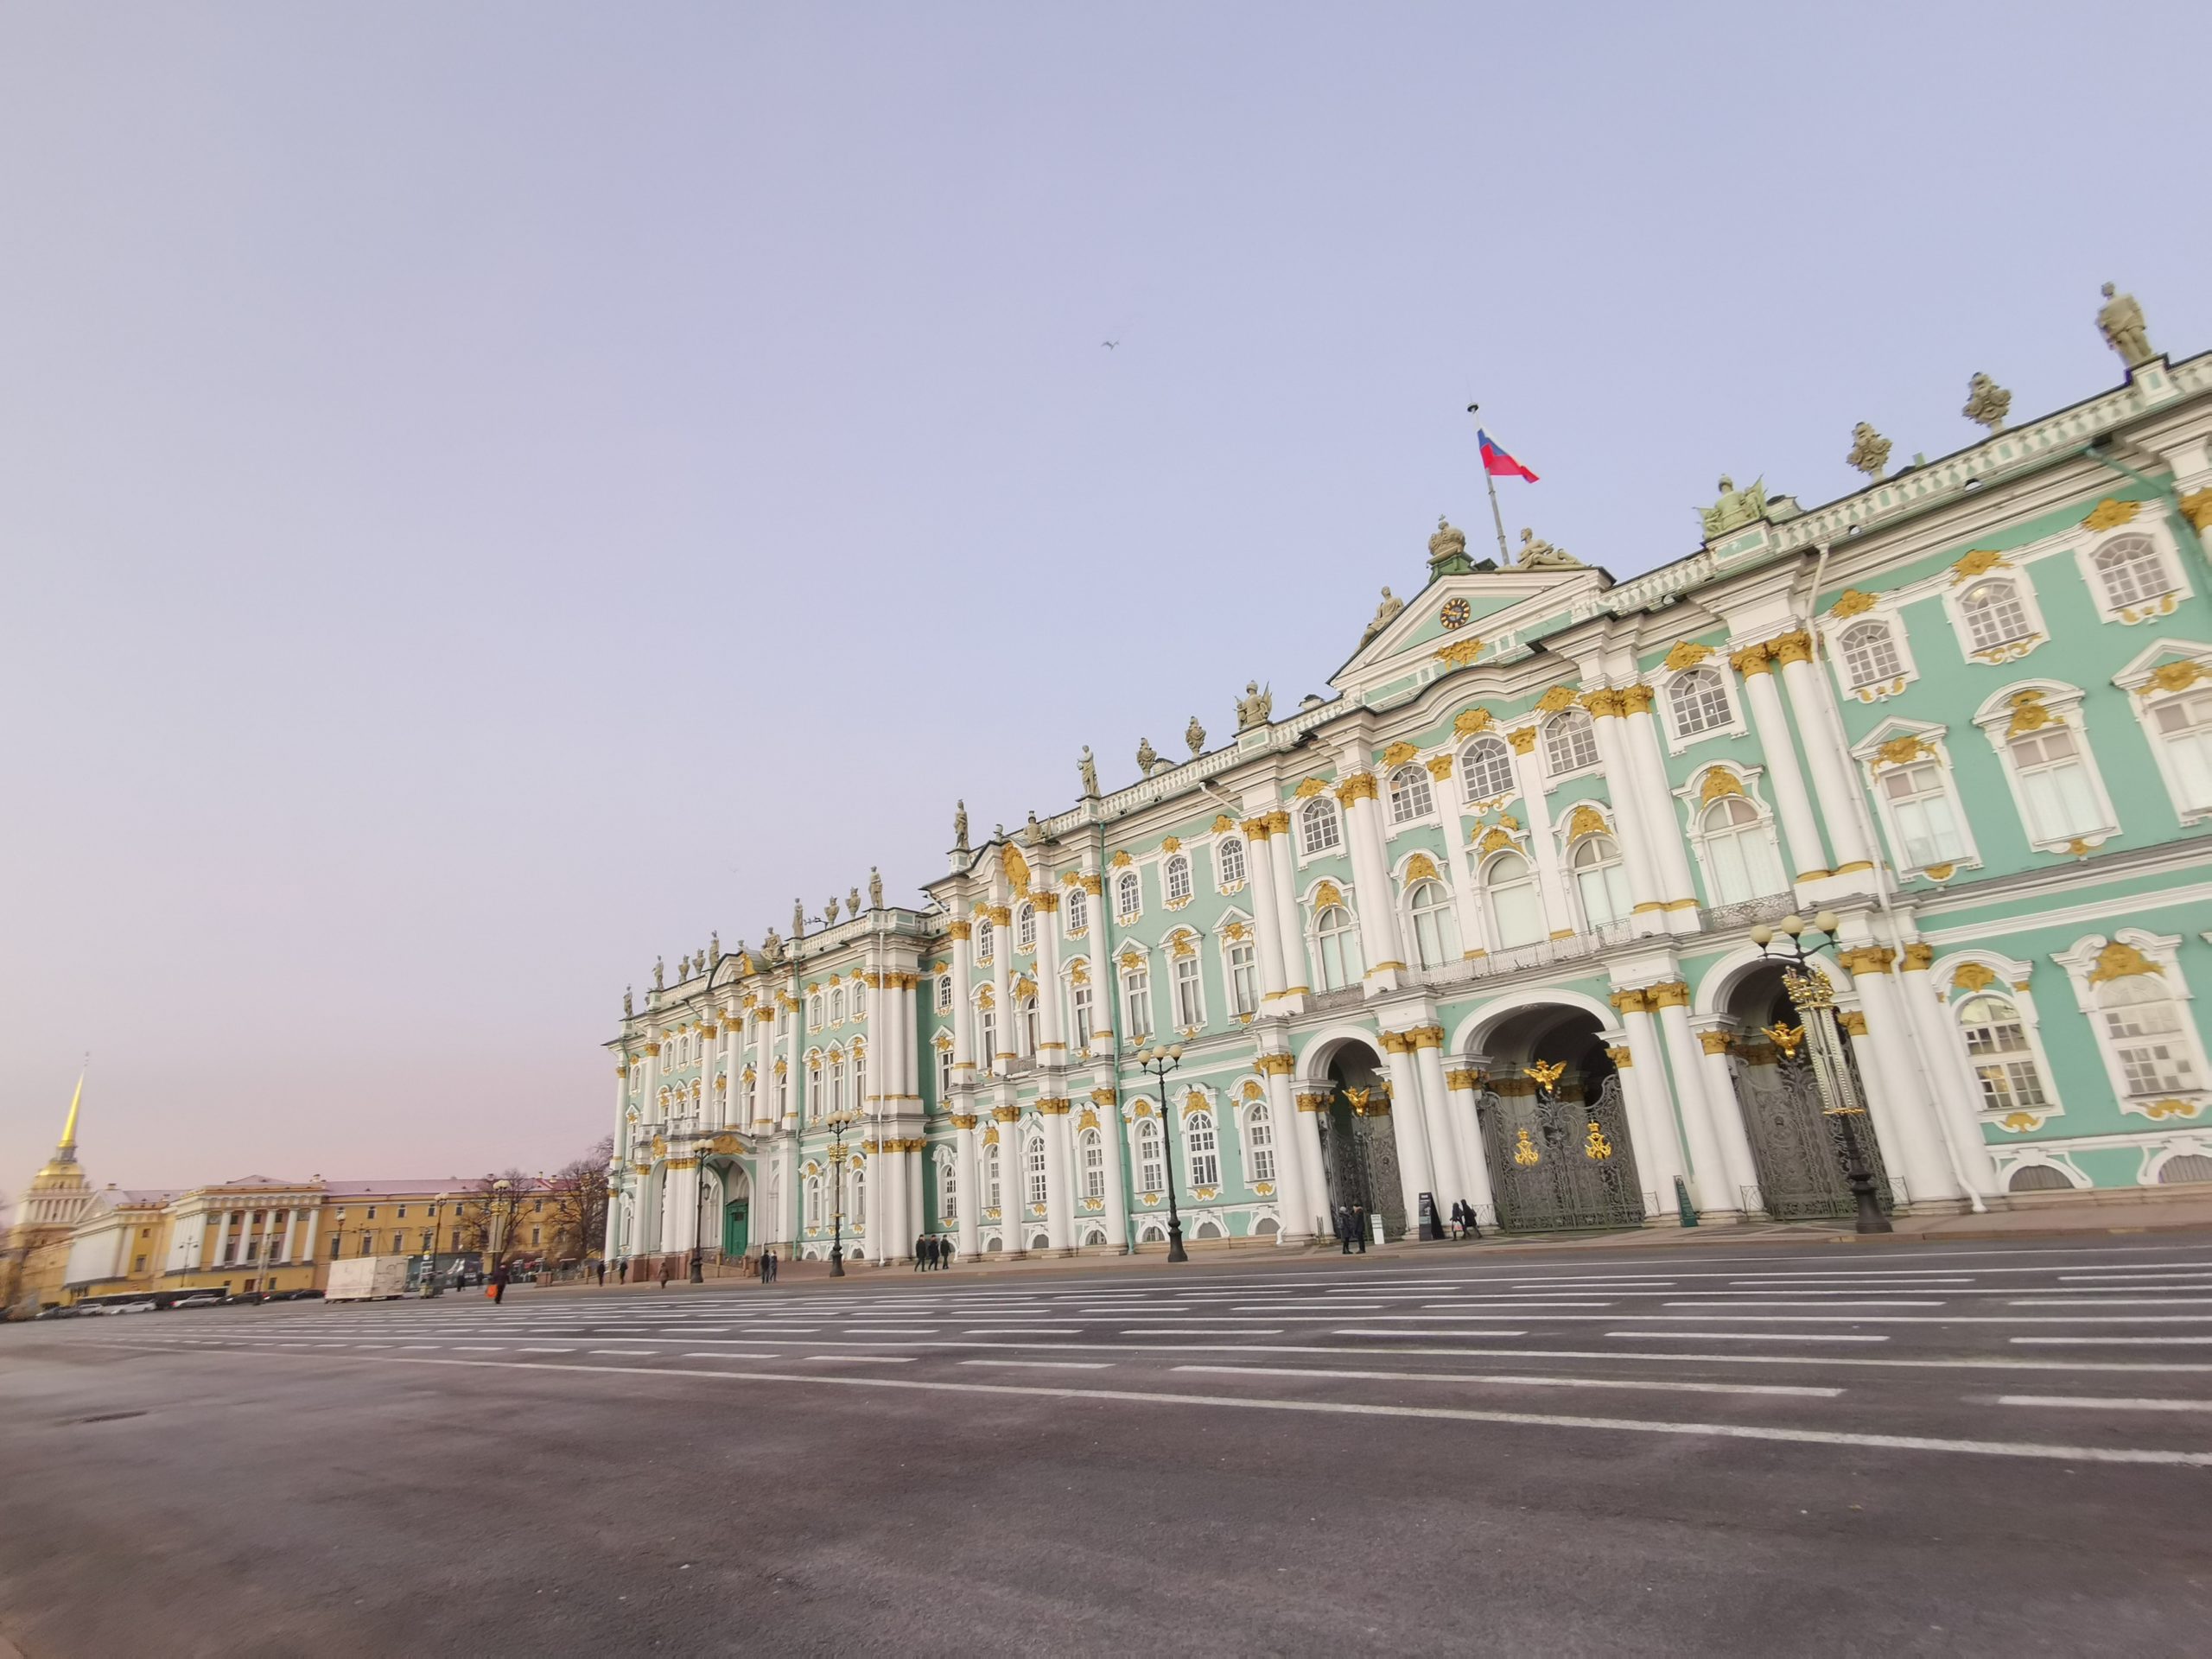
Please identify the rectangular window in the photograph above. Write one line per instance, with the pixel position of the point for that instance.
(944, 1073)
(1136, 1004)
(1187, 1011)
(2054, 786)
(1920, 805)
(1081, 998)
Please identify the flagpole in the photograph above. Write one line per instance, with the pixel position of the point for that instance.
(1495, 516)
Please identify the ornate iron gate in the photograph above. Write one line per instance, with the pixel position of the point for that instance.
(1559, 1165)
(1798, 1149)
(1359, 1156)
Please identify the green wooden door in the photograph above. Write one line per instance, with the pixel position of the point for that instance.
(734, 1232)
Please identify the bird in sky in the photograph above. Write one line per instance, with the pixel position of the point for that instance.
(1109, 344)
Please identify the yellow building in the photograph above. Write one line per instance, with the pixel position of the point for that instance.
(34, 1261)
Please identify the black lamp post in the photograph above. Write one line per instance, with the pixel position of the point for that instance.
(1160, 1062)
(1814, 997)
(839, 1122)
(699, 1220)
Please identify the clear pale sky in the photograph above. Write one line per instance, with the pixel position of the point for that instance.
(490, 493)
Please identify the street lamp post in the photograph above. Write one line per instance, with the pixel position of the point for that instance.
(1160, 1062)
(838, 1123)
(1814, 997)
(699, 1220)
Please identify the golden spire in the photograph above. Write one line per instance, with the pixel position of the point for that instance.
(69, 1129)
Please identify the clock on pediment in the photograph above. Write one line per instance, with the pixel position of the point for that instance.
(1456, 613)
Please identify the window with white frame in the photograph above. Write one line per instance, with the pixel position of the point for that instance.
(1410, 797)
(1517, 909)
(1600, 879)
(986, 940)
(1175, 879)
(1025, 927)
(2182, 728)
(1228, 859)
(1570, 743)
(1993, 614)
(1740, 858)
(1699, 702)
(1436, 930)
(1201, 1150)
(1486, 769)
(1077, 910)
(991, 1176)
(1243, 978)
(1034, 1165)
(1136, 1000)
(948, 1189)
(859, 1194)
(1260, 1144)
(1317, 829)
(2057, 796)
(1336, 940)
(1189, 1010)
(859, 1077)
(944, 1073)
(1997, 1047)
(782, 1094)
(814, 1011)
(986, 1035)
(1092, 1148)
(2143, 1021)
(860, 999)
(2132, 571)
(1079, 997)
(838, 1005)
(1869, 652)
(1152, 1168)
(1028, 1027)
(944, 993)
(814, 1095)
(1922, 814)
(783, 1021)
(837, 1102)
(1129, 896)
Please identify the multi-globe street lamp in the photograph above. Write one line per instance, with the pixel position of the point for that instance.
(1160, 1061)
(1813, 996)
(838, 1123)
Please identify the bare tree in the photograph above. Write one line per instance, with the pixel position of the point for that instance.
(576, 1199)
(492, 1211)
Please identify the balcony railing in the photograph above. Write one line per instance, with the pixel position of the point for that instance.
(1773, 907)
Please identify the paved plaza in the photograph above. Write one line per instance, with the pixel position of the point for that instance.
(1899, 1448)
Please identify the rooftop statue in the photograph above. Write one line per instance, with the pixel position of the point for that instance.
(1384, 614)
(1735, 508)
(627, 1009)
(852, 901)
(1987, 404)
(960, 826)
(874, 888)
(1537, 554)
(2125, 331)
(830, 912)
(1870, 452)
(1448, 542)
(1089, 767)
(683, 971)
(799, 919)
(1255, 707)
(1195, 735)
(715, 947)
(771, 944)
(660, 973)
(1148, 757)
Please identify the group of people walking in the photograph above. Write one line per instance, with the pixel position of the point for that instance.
(931, 1251)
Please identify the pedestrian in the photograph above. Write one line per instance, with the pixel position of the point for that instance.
(667, 1272)
(600, 1267)
(944, 1254)
(622, 1271)
(767, 1265)
(938, 1250)
(499, 1284)
(1343, 1229)
(1359, 1227)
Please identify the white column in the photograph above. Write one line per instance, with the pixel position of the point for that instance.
(1460, 1085)
(1832, 777)
(1378, 914)
(647, 1111)
(1954, 1086)
(1311, 1104)
(1529, 774)
(307, 1245)
(1003, 992)
(1293, 1203)
(1111, 1130)
(1444, 1149)
(1298, 976)
(1643, 1073)
(1267, 919)
(291, 1233)
(763, 1064)
(1458, 866)
(1416, 1174)
(621, 1106)
(962, 935)
(1904, 1115)
(969, 1177)
(1648, 907)
(1727, 1109)
(1706, 1124)
(1801, 833)
(1059, 1197)
(1052, 1041)
(1654, 799)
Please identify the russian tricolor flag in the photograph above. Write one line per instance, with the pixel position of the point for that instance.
(1497, 462)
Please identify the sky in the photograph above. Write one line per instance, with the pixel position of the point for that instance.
(491, 493)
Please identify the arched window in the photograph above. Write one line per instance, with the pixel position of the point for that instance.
(814, 1201)
(1921, 807)
(1136, 1000)
(1994, 613)
(2132, 571)
(1243, 977)
(1152, 1168)
(1436, 931)
(1336, 940)
(991, 1176)
(1409, 794)
(1128, 895)
(2143, 1022)
(2054, 790)
(2184, 728)
(1869, 655)
(1317, 826)
(1699, 700)
(1260, 1139)
(944, 993)
(838, 1005)
(986, 1036)
(1740, 856)
(986, 939)
(1486, 769)
(1228, 857)
(2185, 1167)
(1600, 881)
(859, 1211)
(1025, 927)
(814, 1011)
(1517, 909)
(1570, 743)
(1091, 1146)
(1029, 1028)
(1203, 1152)
(1997, 1046)
(1175, 879)
(1078, 911)
(1035, 1163)
(948, 1189)
(2038, 1178)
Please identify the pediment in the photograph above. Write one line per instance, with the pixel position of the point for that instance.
(1457, 621)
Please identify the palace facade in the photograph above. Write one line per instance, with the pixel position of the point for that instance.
(1485, 925)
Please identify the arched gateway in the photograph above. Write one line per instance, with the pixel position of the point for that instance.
(1359, 1144)
(1555, 1130)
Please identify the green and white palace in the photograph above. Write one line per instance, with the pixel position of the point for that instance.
(1483, 925)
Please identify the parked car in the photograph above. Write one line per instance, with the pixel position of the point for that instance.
(63, 1311)
(198, 1298)
(143, 1305)
(244, 1298)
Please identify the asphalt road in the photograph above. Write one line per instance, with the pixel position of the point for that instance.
(1894, 1449)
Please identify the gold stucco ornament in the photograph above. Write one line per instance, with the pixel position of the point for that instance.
(1987, 404)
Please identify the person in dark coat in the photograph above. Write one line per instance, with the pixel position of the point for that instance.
(667, 1272)
(921, 1251)
(499, 1284)
(622, 1271)
(768, 1267)
(1359, 1228)
(599, 1268)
